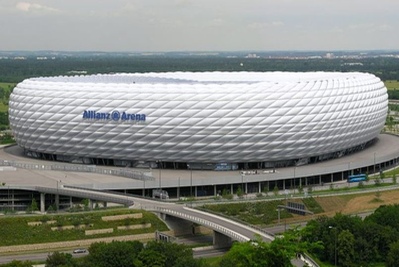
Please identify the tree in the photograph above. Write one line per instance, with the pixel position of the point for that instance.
(173, 253)
(32, 207)
(392, 259)
(16, 263)
(240, 192)
(266, 190)
(57, 259)
(310, 189)
(152, 258)
(275, 190)
(278, 253)
(121, 254)
(345, 248)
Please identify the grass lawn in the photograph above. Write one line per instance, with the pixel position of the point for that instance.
(6, 87)
(15, 230)
(392, 84)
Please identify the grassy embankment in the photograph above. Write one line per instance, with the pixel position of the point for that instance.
(263, 212)
(392, 84)
(6, 88)
(18, 230)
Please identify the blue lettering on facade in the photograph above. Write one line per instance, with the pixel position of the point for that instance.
(114, 115)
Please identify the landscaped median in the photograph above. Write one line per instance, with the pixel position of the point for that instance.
(77, 243)
(52, 232)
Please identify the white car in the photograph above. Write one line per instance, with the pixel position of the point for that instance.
(79, 251)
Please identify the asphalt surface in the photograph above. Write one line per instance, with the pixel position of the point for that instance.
(387, 147)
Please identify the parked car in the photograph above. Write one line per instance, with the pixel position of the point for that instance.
(79, 251)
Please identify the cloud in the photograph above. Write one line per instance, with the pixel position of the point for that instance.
(371, 27)
(264, 25)
(32, 7)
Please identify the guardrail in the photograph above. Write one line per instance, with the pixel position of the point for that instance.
(127, 173)
(309, 260)
(257, 228)
(82, 193)
(207, 223)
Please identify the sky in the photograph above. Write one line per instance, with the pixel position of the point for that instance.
(198, 25)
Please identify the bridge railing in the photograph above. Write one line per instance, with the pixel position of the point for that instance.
(311, 262)
(127, 173)
(81, 193)
(239, 221)
(207, 223)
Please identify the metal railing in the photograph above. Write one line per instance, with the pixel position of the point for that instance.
(82, 193)
(127, 173)
(214, 226)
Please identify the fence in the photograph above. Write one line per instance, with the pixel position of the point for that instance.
(127, 173)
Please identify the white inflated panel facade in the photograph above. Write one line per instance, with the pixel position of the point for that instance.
(198, 117)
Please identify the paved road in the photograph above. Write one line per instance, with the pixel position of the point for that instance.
(35, 257)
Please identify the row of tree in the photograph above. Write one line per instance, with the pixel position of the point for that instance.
(161, 254)
(350, 241)
(17, 70)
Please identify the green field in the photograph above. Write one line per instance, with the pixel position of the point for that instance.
(392, 84)
(5, 90)
(15, 230)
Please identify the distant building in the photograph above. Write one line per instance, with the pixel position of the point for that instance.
(208, 120)
(330, 55)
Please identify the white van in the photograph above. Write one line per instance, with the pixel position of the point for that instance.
(161, 194)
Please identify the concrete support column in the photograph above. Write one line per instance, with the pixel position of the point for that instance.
(42, 202)
(283, 184)
(104, 204)
(306, 181)
(319, 179)
(332, 178)
(91, 204)
(259, 187)
(221, 241)
(246, 188)
(214, 191)
(231, 189)
(70, 202)
(195, 191)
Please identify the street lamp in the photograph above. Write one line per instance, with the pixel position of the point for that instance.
(144, 187)
(294, 178)
(160, 174)
(242, 181)
(178, 190)
(349, 169)
(335, 244)
(191, 182)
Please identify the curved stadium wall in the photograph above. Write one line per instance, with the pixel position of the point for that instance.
(198, 118)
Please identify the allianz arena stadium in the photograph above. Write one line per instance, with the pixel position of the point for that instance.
(204, 120)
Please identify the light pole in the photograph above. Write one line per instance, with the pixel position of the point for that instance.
(191, 182)
(242, 182)
(160, 174)
(178, 190)
(335, 244)
(349, 169)
(294, 178)
(143, 187)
